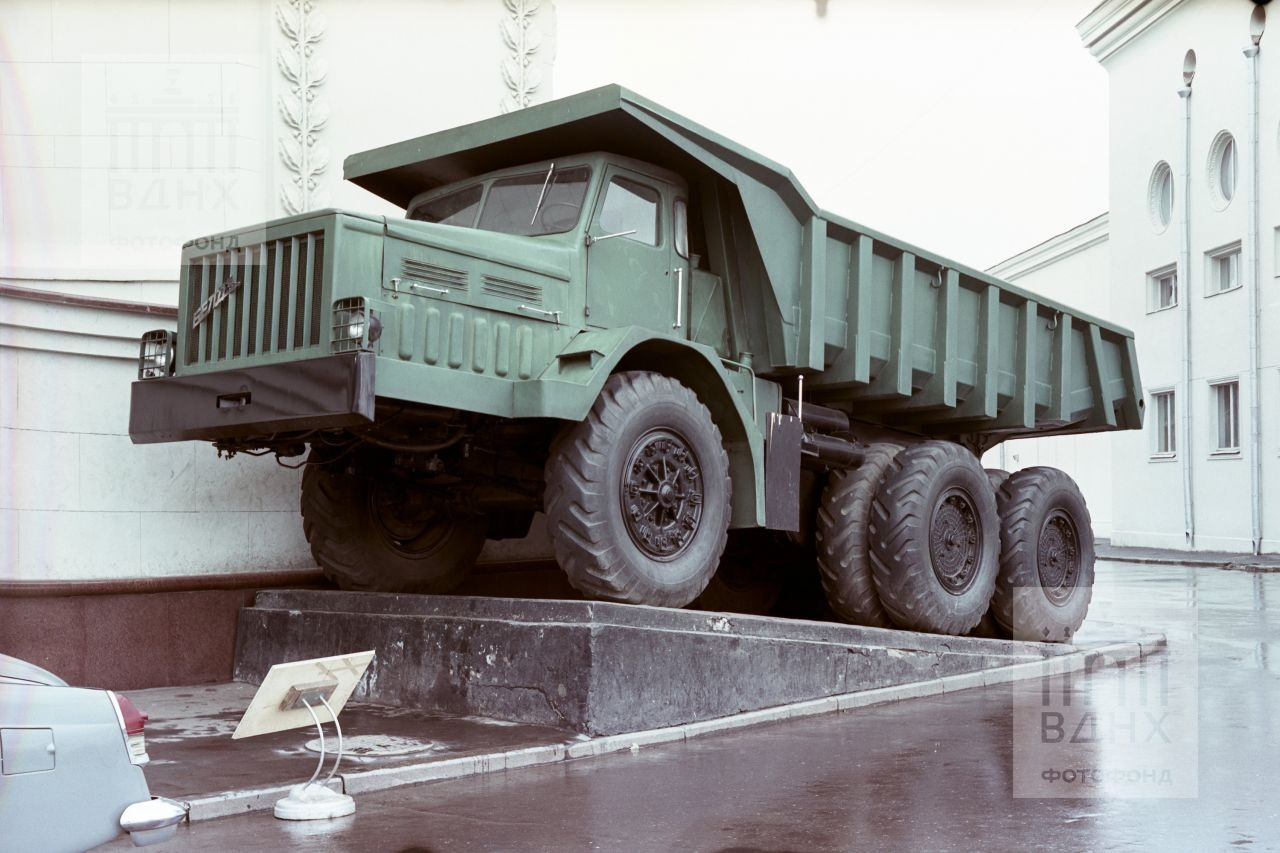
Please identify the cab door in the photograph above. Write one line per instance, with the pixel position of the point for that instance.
(632, 276)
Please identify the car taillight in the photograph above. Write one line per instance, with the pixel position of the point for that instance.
(132, 724)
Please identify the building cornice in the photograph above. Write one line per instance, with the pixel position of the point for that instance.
(59, 298)
(1115, 23)
(1084, 236)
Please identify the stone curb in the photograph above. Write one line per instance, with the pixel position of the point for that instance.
(1192, 563)
(385, 778)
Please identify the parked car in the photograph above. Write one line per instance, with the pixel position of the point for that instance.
(71, 766)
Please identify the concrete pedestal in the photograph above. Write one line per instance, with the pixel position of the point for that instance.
(594, 667)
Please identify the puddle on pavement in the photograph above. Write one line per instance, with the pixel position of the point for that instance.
(373, 747)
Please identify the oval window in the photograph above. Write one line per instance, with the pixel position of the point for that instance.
(1223, 169)
(1160, 196)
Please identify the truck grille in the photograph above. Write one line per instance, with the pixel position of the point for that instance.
(264, 297)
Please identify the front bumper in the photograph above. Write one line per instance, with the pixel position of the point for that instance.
(255, 402)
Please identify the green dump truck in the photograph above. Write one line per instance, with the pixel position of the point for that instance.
(601, 310)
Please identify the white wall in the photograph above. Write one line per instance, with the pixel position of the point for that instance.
(127, 128)
(78, 501)
(1146, 116)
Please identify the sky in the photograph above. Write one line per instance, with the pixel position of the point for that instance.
(973, 128)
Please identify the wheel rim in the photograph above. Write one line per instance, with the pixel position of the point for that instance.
(662, 494)
(1058, 557)
(955, 541)
(407, 520)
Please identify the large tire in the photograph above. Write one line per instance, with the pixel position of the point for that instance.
(1045, 582)
(843, 539)
(637, 496)
(750, 576)
(935, 539)
(380, 534)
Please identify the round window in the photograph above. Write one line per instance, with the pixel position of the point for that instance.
(1222, 170)
(1160, 196)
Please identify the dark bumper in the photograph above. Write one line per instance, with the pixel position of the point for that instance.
(320, 393)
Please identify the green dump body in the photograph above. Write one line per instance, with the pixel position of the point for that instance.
(894, 335)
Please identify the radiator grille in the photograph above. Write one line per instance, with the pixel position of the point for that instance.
(530, 294)
(260, 298)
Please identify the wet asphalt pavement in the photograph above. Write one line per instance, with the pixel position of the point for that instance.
(1180, 752)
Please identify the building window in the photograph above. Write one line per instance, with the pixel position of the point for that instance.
(1162, 288)
(1222, 168)
(1226, 406)
(1224, 269)
(1160, 196)
(1165, 438)
(1275, 247)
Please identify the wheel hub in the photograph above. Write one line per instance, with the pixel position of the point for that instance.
(955, 541)
(662, 494)
(1058, 557)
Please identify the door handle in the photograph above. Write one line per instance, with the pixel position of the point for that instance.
(679, 298)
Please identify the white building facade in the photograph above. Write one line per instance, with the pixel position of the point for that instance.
(1189, 258)
(126, 129)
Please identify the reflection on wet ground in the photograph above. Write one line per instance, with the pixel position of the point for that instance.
(955, 772)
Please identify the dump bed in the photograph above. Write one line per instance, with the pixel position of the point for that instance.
(890, 333)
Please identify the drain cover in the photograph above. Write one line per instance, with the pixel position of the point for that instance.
(374, 746)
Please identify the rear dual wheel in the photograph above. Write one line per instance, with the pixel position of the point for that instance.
(935, 539)
(1046, 573)
(926, 540)
(843, 533)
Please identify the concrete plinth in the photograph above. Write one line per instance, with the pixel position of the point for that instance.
(594, 667)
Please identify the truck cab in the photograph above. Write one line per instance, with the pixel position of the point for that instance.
(626, 222)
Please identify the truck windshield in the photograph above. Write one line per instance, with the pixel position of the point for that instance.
(512, 204)
(456, 208)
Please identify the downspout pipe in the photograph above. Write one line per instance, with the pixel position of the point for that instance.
(1184, 293)
(1253, 285)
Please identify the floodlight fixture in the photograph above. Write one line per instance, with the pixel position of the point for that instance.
(301, 693)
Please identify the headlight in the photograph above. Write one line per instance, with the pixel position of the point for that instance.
(349, 321)
(156, 355)
(353, 325)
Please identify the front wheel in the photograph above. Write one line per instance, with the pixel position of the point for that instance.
(637, 496)
(382, 534)
(1046, 556)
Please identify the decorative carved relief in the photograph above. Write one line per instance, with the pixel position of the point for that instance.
(522, 72)
(300, 107)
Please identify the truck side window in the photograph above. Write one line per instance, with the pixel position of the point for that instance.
(629, 205)
(680, 227)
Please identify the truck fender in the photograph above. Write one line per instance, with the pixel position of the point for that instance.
(568, 388)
